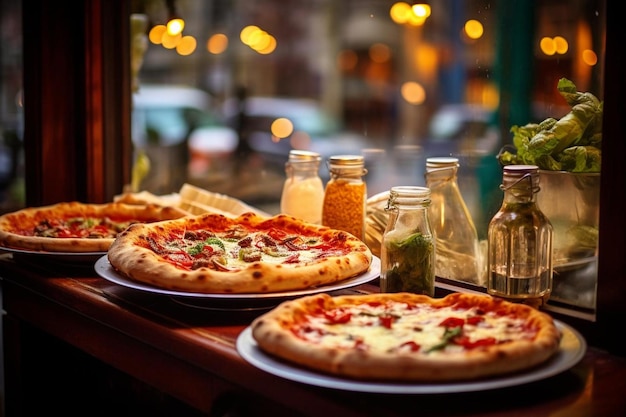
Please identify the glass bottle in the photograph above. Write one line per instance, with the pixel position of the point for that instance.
(345, 196)
(458, 251)
(519, 247)
(303, 191)
(408, 245)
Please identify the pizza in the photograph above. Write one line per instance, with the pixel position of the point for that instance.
(212, 253)
(407, 337)
(75, 227)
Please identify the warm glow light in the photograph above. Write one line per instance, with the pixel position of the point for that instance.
(421, 10)
(379, 53)
(281, 128)
(473, 29)
(259, 39)
(547, 46)
(271, 46)
(561, 45)
(246, 33)
(156, 34)
(169, 41)
(186, 46)
(400, 12)
(413, 92)
(175, 26)
(217, 43)
(589, 57)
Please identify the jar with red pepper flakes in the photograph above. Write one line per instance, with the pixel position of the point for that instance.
(345, 195)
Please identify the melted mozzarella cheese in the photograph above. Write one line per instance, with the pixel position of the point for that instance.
(409, 327)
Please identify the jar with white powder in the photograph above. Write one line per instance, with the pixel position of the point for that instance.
(303, 191)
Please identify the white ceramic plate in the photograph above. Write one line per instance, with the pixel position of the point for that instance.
(572, 350)
(105, 270)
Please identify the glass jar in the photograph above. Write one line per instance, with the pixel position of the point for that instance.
(408, 245)
(345, 196)
(519, 241)
(458, 251)
(303, 191)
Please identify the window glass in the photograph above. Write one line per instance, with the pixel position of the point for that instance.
(394, 81)
(11, 116)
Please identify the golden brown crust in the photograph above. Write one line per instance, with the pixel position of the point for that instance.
(131, 256)
(15, 227)
(275, 333)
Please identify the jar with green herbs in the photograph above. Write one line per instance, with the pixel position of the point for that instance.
(408, 244)
(345, 196)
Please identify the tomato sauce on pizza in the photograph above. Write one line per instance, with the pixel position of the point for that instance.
(213, 253)
(408, 337)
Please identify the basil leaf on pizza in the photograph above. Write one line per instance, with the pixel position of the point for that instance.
(212, 253)
(76, 227)
(408, 337)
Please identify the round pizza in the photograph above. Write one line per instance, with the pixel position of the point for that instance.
(76, 227)
(212, 253)
(408, 337)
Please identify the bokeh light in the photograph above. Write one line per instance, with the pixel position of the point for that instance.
(413, 92)
(473, 29)
(217, 43)
(186, 46)
(281, 127)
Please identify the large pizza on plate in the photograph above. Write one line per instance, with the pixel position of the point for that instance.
(75, 227)
(212, 253)
(407, 337)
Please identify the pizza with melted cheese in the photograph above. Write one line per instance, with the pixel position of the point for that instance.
(408, 337)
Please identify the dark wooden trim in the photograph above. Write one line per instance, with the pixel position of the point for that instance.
(77, 100)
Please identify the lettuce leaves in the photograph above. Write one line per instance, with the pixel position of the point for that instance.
(572, 143)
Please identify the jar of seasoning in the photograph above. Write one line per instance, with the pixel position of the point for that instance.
(345, 196)
(458, 251)
(408, 245)
(519, 241)
(303, 191)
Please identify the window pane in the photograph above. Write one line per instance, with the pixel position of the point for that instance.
(354, 77)
(11, 115)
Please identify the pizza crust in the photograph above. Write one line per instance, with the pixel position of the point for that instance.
(25, 220)
(131, 256)
(274, 334)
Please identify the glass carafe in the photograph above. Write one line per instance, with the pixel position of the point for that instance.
(520, 241)
(458, 251)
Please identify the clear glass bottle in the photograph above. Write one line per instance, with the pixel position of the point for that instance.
(303, 191)
(520, 241)
(408, 244)
(458, 250)
(345, 196)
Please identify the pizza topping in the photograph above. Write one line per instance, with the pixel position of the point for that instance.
(396, 327)
(78, 227)
(237, 247)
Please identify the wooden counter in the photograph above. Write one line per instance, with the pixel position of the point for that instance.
(78, 344)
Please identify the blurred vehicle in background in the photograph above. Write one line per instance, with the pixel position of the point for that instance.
(313, 129)
(175, 127)
(457, 129)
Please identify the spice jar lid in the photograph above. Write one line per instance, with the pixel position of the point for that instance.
(442, 162)
(296, 155)
(346, 160)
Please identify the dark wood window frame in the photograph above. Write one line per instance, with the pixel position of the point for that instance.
(77, 133)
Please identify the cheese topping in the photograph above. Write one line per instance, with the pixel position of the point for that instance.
(395, 327)
(237, 248)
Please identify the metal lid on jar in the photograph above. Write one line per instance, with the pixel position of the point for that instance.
(520, 175)
(296, 155)
(347, 161)
(442, 162)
